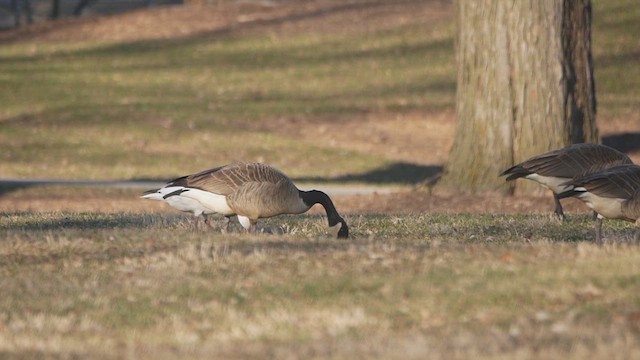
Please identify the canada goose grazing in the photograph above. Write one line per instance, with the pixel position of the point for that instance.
(554, 169)
(250, 191)
(613, 193)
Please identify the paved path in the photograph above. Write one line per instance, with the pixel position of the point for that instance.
(331, 189)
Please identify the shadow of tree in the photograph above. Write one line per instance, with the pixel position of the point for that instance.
(8, 187)
(624, 142)
(396, 173)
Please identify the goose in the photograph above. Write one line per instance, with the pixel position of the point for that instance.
(249, 190)
(613, 193)
(554, 169)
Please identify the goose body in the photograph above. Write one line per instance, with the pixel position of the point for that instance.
(249, 190)
(556, 168)
(613, 193)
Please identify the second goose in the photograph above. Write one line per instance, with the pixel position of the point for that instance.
(613, 193)
(555, 168)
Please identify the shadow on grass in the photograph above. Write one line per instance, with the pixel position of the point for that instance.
(40, 354)
(95, 230)
(395, 173)
(6, 188)
(624, 142)
(78, 221)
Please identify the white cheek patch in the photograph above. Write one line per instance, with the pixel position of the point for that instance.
(214, 203)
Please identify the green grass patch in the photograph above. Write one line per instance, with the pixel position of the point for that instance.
(73, 109)
(615, 52)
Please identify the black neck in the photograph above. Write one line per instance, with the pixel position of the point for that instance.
(313, 197)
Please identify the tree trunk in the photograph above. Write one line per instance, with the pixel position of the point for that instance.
(82, 4)
(55, 9)
(15, 8)
(525, 86)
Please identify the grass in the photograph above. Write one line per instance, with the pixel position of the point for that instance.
(614, 55)
(125, 285)
(148, 286)
(71, 108)
(177, 99)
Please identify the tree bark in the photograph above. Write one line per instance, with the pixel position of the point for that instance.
(525, 86)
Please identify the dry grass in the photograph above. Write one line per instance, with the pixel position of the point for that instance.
(116, 97)
(443, 286)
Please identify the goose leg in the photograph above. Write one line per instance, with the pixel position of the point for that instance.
(598, 226)
(247, 223)
(196, 220)
(226, 224)
(558, 211)
(207, 222)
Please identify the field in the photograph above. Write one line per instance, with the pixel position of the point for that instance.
(99, 273)
(438, 286)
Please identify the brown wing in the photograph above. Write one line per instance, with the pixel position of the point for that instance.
(226, 179)
(569, 162)
(620, 182)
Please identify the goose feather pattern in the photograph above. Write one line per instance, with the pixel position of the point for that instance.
(612, 193)
(556, 168)
(249, 190)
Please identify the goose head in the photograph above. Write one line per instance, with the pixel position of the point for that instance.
(313, 197)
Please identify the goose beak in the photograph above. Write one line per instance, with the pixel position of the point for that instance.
(340, 229)
(343, 232)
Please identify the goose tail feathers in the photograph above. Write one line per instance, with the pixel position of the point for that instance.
(162, 193)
